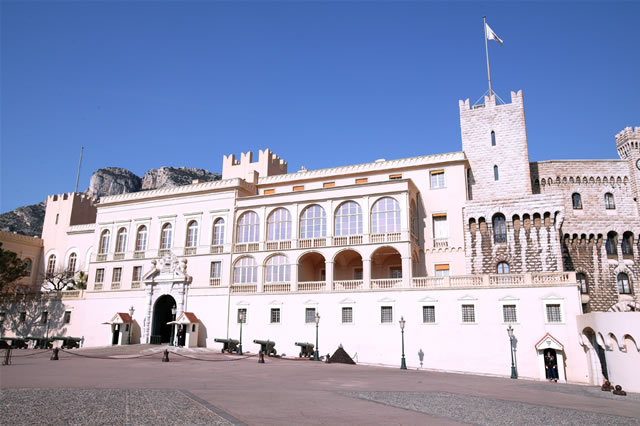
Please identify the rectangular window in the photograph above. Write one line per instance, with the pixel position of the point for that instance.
(44, 317)
(23, 316)
(362, 180)
(328, 184)
(441, 270)
(357, 274)
(428, 314)
(553, 313)
(310, 315)
(347, 315)
(242, 315)
(275, 315)
(386, 314)
(468, 313)
(298, 188)
(216, 269)
(509, 313)
(394, 177)
(396, 272)
(3, 315)
(99, 276)
(136, 276)
(67, 317)
(437, 179)
(440, 227)
(269, 191)
(117, 275)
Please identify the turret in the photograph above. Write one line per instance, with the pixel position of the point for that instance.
(628, 144)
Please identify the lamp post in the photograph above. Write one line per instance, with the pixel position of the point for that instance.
(173, 318)
(241, 318)
(316, 353)
(131, 311)
(403, 363)
(514, 374)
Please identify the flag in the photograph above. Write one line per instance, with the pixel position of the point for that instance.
(491, 35)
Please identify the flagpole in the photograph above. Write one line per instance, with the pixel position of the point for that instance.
(486, 48)
(79, 164)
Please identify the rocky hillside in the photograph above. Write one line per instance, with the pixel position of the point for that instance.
(28, 220)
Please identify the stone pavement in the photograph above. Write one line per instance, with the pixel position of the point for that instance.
(132, 386)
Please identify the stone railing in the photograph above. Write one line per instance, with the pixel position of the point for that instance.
(348, 285)
(312, 243)
(387, 237)
(440, 243)
(244, 288)
(214, 282)
(312, 286)
(216, 249)
(277, 288)
(135, 284)
(386, 283)
(72, 294)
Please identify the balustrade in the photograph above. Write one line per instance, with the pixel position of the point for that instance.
(311, 286)
(347, 285)
(216, 249)
(277, 288)
(214, 282)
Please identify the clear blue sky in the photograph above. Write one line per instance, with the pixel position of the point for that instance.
(148, 84)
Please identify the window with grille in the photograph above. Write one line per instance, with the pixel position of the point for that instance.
(499, 229)
(553, 313)
(67, 317)
(347, 315)
(310, 315)
(348, 219)
(437, 179)
(242, 315)
(509, 313)
(216, 269)
(137, 274)
(275, 315)
(313, 222)
(117, 275)
(396, 272)
(385, 216)
(582, 281)
(386, 314)
(428, 314)
(468, 313)
(99, 276)
(279, 225)
(357, 274)
(612, 243)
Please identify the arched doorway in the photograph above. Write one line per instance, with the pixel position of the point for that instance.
(386, 263)
(160, 330)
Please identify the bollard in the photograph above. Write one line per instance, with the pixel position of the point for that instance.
(327, 361)
(54, 355)
(7, 357)
(165, 357)
(260, 357)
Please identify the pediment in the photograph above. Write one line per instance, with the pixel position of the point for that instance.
(347, 301)
(508, 298)
(386, 300)
(427, 299)
(549, 342)
(467, 297)
(311, 302)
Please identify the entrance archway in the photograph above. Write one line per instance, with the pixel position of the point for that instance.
(160, 330)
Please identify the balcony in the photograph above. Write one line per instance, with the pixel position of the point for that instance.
(190, 251)
(71, 294)
(244, 288)
(115, 286)
(277, 288)
(385, 283)
(440, 242)
(314, 286)
(312, 243)
(135, 284)
(101, 257)
(97, 286)
(164, 252)
(278, 245)
(138, 254)
(348, 285)
(387, 237)
(216, 249)
(246, 247)
(350, 240)
(118, 256)
(214, 282)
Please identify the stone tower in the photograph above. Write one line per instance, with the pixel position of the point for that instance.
(628, 144)
(494, 139)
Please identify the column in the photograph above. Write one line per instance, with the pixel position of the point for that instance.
(366, 273)
(260, 278)
(329, 275)
(294, 277)
(366, 219)
(407, 274)
(148, 315)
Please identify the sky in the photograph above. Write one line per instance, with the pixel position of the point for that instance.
(148, 84)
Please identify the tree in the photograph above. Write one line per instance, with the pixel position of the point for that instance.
(58, 280)
(12, 268)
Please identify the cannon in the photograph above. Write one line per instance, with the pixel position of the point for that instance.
(306, 349)
(68, 342)
(266, 346)
(229, 345)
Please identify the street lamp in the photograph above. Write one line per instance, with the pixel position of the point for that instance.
(316, 353)
(241, 318)
(131, 311)
(514, 374)
(173, 319)
(403, 363)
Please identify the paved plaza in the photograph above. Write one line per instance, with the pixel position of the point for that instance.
(130, 385)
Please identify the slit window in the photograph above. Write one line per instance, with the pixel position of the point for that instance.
(493, 138)
(495, 173)
(576, 201)
(609, 201)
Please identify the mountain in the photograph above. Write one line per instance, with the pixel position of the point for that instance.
(26, 220)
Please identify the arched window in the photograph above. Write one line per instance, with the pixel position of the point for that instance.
(609, 202)
(576, 201)
(29, 264)
(192, 234)
(348, 219)
(493, 138)
(612, 243)
(623, 283)
(503, 268)
(104, 242)
(385, 216)
(121, 240)
(496, 176)
(313, 222)
(627, 243)
(218, 232)
(278, 269)
(141, 238)
(245, 271)
(71, 264)
(51, 265)
(582, 281)
(279, 225)
(165, 236)
(499, 229)
(248, 228)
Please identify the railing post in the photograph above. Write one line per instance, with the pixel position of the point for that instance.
(528, 279)
(328, 272)
(366, 273)
(446, 282)
(407, 272)
(485, 280)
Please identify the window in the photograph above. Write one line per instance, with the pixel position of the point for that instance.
(104, 242)
(396, 272)
(347, 315)
(313, 222)
(496, 175)
(623, 283)
(29, 264)
(437, 179)
(576, 201)
(502, 268)
(3, 316)
(441, 270)
(509, 313)
(269, 191)
(278, 269)
(499, 229)
(51, 265)
(357, 274)
(609, 202)
(440, 227)
(349, 219)
(165, 236)
(298, 188)
(242, 315)
(612, 243)
(117, 275)
(386, 314)
(493, 138)
(582, 282)
(385, 216)
(141, 238)
(216, 269)
(121, 241)
(248, 228)
(627, 244)
(361, 180)
(245, 271)
(44, 318)
(136, 276)
(192, 234)
(428, 314)
(99, 276)
(57, 217)
(468, 313)
(396, 176)
(22, 317)
(279, 225)
(413, 213)
(328, 184)
(67, 317)
(553, 312)
(310, 315)
(71, 265)
(218, 232)
(275, 315)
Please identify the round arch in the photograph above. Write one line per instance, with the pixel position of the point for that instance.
(160, 329)
(311, 266)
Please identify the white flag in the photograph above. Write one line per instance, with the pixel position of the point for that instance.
(491, 35)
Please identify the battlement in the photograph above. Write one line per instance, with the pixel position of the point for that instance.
(490, 102)
(72, 196)
(268, 164)
(628, 143)
(627, 134)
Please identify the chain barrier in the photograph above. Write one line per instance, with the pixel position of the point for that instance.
(13, 355)
(213, 360)
(111, 357)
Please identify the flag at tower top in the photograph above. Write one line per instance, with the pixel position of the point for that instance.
(491, 35)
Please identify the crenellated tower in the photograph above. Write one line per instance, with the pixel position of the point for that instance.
(628, 144)
(268, 164)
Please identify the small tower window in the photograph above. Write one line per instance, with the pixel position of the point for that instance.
(609, 202)
(623, 283)
(576, 200)
(493, 139)
(582, 281)
(503, 268)
(495, 173)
